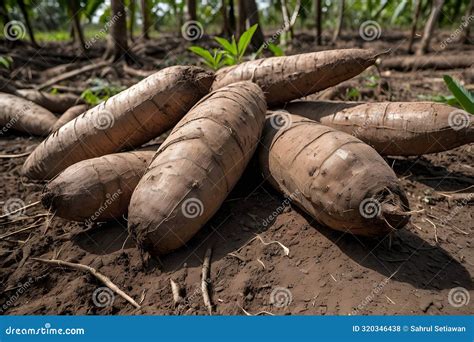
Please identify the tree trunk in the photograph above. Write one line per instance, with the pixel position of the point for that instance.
(248, 16)
(4, 12)
(241, 18)
(226, 31)
(191, 10)
(117, 45)
(467, 24)
(72, 34)
(286, 19)
(430, 27)
(416, 16)
(76, 24)
(340, 21)
(24, 12)
(131, 26)
(232, 22)
(146, 20)
(319, 38)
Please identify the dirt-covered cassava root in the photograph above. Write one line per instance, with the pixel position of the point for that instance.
(394, 128)
(291, 77)
(196, 167)
(96, 189)
(25, 116)
(124, 121)
(336, 178)
(69, 115)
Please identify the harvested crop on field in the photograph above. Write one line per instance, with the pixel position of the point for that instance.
(394, 128)
(288, 78)
(196, 167)
(124, 121)
(96, 189)
(25, 116)
(69, 115)
(336, 178)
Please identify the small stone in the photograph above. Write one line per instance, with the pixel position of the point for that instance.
(249, 297)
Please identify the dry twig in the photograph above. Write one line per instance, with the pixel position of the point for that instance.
(205, 275)
(175, 290)
(34, 225)
(105, 280)
(10, 156)
(20, 209)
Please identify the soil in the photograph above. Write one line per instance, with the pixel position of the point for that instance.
(325, 273)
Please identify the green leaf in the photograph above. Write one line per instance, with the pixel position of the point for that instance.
(218, 59)
(465, 98)
(276, 50)
(245, 39)
(226, 45)
(206, 55)
(353, 94)
(229, 59)
(6, 61)
(400, 8)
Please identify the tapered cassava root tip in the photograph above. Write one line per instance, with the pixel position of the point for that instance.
(47, 199)
(394, 209)
(395, 216)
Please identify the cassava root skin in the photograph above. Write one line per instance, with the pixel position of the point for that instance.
(25, 116)
(69, 115)
(125, 121)
(287, 78)
(96, 189)
(394, 128)
(56, 103)
(336, 178)
(196, 167)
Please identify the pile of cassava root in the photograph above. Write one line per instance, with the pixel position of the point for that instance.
(325, 156)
